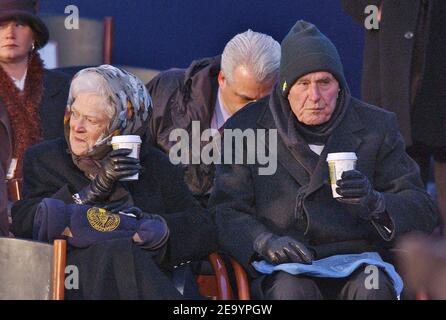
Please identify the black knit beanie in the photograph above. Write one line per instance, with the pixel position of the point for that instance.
(304, 50)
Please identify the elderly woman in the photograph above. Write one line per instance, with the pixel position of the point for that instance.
(32, 99)
(84, 170)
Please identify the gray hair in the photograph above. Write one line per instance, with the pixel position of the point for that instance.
(257, 52)
(92, 82)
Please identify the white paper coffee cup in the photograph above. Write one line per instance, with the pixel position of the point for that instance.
(132, 142)
(338, 163)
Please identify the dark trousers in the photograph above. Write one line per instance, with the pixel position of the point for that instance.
(284, 286)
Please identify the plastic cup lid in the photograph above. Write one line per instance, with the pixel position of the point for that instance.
(126, 139)
(341, 156)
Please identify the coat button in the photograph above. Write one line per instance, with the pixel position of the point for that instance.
(408, 35)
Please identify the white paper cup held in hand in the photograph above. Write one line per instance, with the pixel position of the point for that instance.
(338, 163)
(132, 142)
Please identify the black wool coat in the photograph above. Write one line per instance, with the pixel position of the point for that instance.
(56, 86)
(247, 204)
(49, 172)
(387, 67)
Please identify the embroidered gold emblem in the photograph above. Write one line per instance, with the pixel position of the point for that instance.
(101, 220)
(284, 86)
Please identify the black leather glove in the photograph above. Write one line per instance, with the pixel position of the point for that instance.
(355, 188)
(277, 250)
(115, 167)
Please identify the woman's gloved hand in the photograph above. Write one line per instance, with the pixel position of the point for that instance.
(152, 233)
(115, 167)
(277, 250)
(355, 188)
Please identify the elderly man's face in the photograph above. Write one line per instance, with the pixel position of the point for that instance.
(16, 39)
(88, 121)
(242, 89)
(313, 97)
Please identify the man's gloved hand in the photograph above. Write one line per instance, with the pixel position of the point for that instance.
(115, 167)
(277, 250)
(355, 188)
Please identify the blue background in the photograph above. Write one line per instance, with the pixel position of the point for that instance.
(161, 34)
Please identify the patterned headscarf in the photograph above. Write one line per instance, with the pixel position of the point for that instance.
(132, 107)
(132, 111)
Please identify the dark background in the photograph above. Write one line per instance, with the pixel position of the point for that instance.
(161, 34)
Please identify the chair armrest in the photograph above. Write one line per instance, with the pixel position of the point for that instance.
(242, 280)
(221, 274)
(59, 262)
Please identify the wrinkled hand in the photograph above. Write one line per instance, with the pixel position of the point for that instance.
(115, 167)
(355, 188)
(277, 250)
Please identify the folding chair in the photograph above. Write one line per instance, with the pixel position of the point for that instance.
(31, 270)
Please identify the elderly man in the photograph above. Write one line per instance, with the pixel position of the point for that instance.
(291, 215)
(209, 92)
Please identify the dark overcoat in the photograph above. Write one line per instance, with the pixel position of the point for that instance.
(5, 158)
(387, 65)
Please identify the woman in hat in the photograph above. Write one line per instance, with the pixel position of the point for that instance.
(82, 172)
(32, 99)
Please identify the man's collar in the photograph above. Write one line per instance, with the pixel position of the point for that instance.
(224, 112)
(220, 114)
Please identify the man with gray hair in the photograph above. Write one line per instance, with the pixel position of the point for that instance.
(210, 91)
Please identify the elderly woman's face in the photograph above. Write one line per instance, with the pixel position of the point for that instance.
(88, 121)
(313, 97)
(16, 39)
